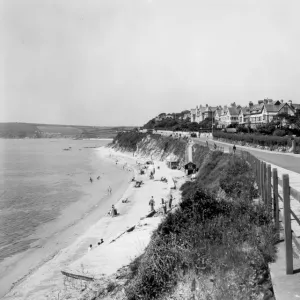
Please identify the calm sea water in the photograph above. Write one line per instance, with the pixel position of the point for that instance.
(37, 181)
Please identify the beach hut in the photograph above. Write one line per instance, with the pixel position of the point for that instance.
(172, 161)
(190, 168)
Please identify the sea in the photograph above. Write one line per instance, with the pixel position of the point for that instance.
(40, 179)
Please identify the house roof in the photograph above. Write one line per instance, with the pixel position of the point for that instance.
(233, 110)
(245, 110)
(213, 108)
(190, 164)
(256, 107)
(274, 108)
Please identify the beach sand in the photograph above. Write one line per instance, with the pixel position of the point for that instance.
(119, 247)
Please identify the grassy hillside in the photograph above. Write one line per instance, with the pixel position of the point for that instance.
(216, 245)
(28, 130)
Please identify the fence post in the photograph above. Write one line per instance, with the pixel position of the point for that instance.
(269, 188)
(287, 224)
(275, 200)
(258, 173)
(265, 183)
(261, 180)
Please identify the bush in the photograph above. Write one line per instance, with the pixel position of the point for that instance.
(279, 132)
(256, 139)
(128, 140)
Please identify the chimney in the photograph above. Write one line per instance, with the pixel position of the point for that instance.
(281, 100)
(290, 102)
(250, 104)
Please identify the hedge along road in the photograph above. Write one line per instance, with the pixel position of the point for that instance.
(290, 162)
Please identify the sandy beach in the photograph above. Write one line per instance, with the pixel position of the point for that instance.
(119, 248)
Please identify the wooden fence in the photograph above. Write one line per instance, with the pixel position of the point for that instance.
(268, 182)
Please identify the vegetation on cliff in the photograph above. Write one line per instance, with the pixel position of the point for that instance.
(150, 144)
(218, 242)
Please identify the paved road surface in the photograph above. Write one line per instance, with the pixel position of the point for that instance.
(288, 162)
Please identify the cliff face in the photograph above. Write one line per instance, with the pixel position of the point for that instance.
(155, 146)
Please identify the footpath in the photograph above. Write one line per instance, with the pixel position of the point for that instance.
(286, 287)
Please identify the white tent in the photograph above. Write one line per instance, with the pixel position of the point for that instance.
(172, 158)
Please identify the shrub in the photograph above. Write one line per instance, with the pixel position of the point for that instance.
(279, 132)
(256, 139)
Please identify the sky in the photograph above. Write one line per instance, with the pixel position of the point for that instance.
(122, 62)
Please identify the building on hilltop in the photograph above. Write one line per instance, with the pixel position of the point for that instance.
(201, 113)
(227, 116)
(186, 115)
(253, 115)
(265, 111)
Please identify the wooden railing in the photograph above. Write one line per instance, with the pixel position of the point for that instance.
(268, 184)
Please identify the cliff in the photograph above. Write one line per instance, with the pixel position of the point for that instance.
(218, 242)
(152, 145)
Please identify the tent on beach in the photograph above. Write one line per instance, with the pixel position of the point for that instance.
(172, 161)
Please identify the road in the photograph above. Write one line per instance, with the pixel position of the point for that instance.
(285, 161)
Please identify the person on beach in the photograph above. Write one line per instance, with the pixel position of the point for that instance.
(98, 177)
(152, 203)
(164, 205)
(170, 201)
(109, 190)
(90, 247)
(234, 149)
(113, 211)
(91, 179)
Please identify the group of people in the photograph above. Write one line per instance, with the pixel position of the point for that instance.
(91, 246)
(113, 212)
(91, 179)
(163, 204)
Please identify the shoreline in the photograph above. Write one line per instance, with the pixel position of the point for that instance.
(20, 267)
(48, 279)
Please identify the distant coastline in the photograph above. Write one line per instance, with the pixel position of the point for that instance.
(53, 131)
